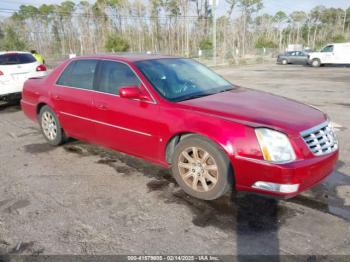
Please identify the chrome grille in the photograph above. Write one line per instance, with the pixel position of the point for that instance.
(321, 139)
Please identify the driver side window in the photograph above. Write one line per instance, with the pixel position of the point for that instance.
(327, 49)
(114, 75)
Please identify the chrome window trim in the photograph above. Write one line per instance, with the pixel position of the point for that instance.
(154, 101)
(106, 124)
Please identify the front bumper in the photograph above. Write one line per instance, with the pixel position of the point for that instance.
(306, 173)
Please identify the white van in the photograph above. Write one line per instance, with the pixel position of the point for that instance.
(331, 54)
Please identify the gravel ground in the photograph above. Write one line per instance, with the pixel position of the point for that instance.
(83, 199)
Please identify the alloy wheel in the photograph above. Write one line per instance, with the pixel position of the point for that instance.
(198, 169)
(49, 125)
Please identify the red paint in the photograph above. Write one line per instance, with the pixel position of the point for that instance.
(141, 123)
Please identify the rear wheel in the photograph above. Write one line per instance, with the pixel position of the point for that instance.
(51, 127)
(316, 62)
(201, 168)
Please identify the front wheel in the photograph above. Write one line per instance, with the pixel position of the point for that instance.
(284, 62)
(316, 62)
(50, 126)
(201, 168)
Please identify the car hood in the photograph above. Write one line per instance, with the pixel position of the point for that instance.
(256, 108)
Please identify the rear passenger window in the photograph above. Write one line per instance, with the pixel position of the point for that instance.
(113, 75)
(79, 74)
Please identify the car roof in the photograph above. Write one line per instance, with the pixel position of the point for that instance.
(348, 43)
(13, 52)
(126, 57)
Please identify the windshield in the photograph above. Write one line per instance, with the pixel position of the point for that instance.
(178, 79)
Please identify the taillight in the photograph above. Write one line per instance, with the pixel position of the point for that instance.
(41, 68)
(1, 73)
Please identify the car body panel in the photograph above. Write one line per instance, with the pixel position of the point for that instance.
(127, 125)
(144, 128)
(307, 173)
(267, 110)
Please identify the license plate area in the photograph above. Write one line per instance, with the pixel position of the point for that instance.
(20, 76)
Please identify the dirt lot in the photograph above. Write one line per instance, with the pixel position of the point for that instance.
(83, 199)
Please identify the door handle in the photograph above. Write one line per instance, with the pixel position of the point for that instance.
(102, 107)
(57, 97)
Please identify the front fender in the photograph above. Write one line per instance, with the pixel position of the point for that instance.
(234, 138)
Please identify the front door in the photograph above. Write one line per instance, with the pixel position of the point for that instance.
(127, 125)
(301, 58)
(328, 54)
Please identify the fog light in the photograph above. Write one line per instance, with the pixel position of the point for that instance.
(282, 188)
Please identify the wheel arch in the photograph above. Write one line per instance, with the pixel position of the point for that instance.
(176, 138)
(39, 107)
(172, 142)
(317, 59)
(44, 101)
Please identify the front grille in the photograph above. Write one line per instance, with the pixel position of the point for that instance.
(321, 139)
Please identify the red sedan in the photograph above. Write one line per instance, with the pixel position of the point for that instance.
(176, 112)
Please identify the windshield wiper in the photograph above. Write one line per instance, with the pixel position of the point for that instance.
(204, 94)
(196, 96)
(225, 90)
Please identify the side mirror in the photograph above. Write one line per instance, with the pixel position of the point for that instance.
(131, 92)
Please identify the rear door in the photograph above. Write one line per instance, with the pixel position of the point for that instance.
(72, 97)
(123, 124)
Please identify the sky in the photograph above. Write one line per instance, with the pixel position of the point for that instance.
(270, 6)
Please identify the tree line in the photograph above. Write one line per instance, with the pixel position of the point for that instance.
(175, 27)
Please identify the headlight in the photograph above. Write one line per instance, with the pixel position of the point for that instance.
(275, 145)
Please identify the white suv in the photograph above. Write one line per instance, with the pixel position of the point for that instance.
(15, 69)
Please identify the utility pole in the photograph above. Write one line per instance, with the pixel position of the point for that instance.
(214, 30)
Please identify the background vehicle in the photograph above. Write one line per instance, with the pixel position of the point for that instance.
(331, 54)
(15, 68)
(176, 112)
(292, 57)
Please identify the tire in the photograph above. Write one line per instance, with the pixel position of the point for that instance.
(284, 62)
(51, 127)
(201, 168)
(316, 62)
